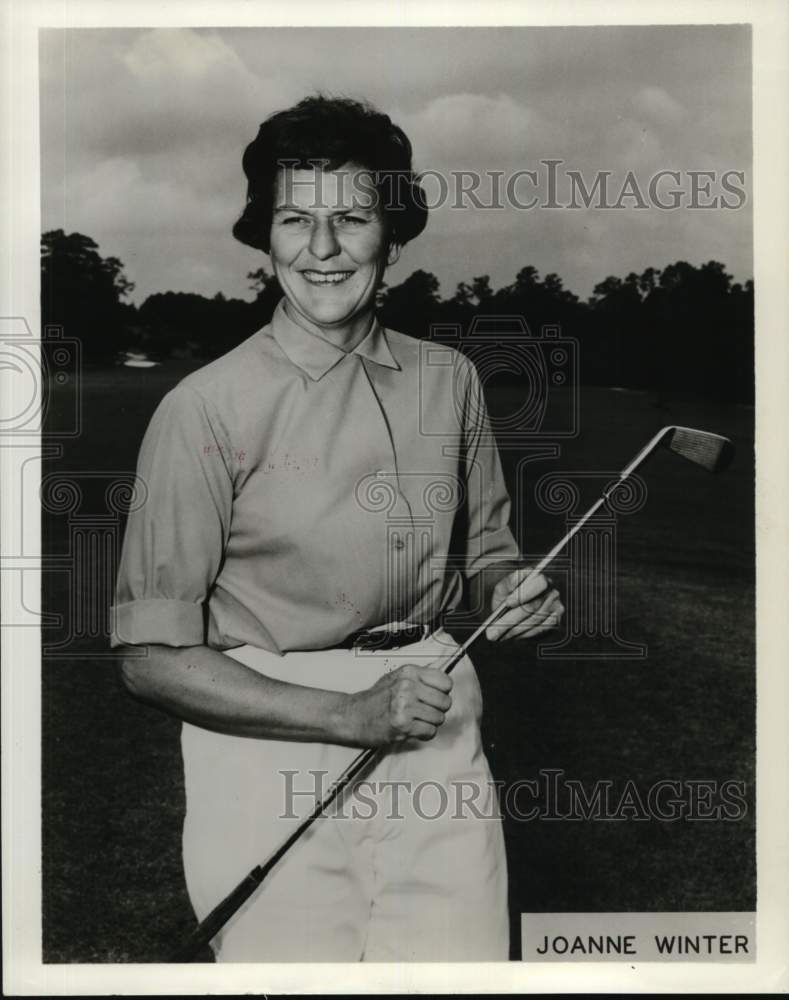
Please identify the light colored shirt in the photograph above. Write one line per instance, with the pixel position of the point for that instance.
(297, 493)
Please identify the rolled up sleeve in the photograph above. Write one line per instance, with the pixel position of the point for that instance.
(489, 538)
(175, 538)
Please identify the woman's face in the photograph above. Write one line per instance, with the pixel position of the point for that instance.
(329, 248)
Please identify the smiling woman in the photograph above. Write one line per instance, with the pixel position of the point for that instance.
(332, 198)
(289, 574)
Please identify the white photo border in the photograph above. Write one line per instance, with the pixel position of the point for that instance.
(24, 974)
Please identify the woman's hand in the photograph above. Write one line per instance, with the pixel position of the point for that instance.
(534, 607)
(410, 702)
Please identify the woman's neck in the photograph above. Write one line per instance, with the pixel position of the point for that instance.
(346, 336)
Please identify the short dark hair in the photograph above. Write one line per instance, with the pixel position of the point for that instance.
(332, 132)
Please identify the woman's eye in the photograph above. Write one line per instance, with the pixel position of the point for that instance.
(294, 220)
(352, 220)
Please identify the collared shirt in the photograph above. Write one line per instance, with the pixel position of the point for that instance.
(296, 492)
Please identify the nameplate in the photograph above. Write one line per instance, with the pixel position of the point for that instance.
(638, 937)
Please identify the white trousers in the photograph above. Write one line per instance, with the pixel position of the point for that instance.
(408, 866)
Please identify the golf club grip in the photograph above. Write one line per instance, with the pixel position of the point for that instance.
(218, 917)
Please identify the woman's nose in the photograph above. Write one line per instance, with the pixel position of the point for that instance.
(323, 242)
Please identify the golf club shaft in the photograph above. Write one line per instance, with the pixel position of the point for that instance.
(218, 917)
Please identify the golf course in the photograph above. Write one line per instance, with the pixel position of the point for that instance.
(667, 697)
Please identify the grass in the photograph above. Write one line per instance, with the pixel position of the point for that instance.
(112, 790)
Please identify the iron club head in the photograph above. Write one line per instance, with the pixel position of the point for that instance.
(711, 451)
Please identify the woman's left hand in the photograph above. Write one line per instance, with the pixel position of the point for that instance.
(534, 607)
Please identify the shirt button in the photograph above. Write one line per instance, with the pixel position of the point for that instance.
(399, 543)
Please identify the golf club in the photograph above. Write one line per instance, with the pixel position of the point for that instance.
(711, 451)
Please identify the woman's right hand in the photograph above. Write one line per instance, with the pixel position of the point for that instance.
(411, 702)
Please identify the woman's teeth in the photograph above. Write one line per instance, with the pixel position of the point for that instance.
(330, 278)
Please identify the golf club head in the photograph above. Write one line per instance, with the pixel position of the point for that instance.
(711, 451)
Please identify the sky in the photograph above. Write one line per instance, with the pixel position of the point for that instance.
(142, 132)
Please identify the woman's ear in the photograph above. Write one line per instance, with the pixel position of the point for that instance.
(394, 254)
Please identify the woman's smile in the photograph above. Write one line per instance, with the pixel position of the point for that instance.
(326, 277)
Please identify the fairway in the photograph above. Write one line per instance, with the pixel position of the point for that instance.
(683, 712)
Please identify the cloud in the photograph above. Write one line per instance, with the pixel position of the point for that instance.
(632, 145)
(145, 93)
(142, 134)
(193, 82)
(115, 194)
(465, 130)
(659, 105)
(190, 57)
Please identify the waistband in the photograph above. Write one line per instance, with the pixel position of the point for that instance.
(346, 669)
(391, 636)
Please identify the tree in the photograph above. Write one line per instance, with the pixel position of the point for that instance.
(463, 296)
(267, 294)
(411, 306)
(481, 290)
(541, 302)
(82, 292)
(195, 324)
(684, 328)
(260, 280)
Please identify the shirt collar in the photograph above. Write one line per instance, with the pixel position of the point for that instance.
(316, 356)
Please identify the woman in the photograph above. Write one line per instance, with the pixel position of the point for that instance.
(317, 499)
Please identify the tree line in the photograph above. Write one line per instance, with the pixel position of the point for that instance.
(679, 328)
